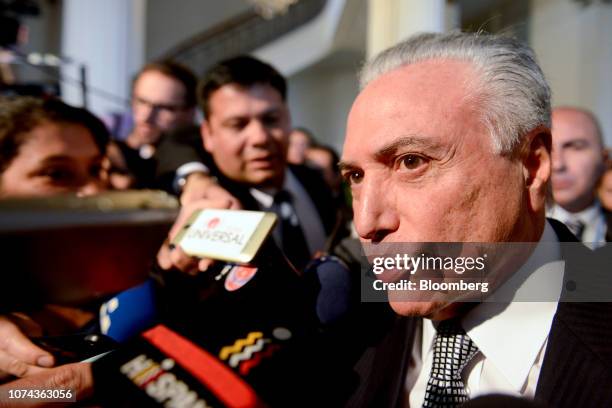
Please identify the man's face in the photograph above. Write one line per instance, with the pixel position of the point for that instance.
(421, 165)
(578, 159)
(158, 105)
(247, 134)
(299, 143)
(55, 158)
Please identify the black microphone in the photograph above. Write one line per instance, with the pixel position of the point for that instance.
(336, 292)
(258, 323)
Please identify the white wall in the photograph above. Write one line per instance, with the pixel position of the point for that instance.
(574, 47)
(320, 99)
(107, 36)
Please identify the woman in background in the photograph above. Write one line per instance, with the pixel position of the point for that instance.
(48, 147)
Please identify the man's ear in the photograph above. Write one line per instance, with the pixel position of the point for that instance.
(536, 161)
(207, 139)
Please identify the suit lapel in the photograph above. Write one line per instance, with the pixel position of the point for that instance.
(382, 368)
(576, 369)
(577, 365)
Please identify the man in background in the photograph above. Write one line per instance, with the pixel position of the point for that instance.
(300, 140)
(578, 162)
(163, 100)
(245, 131)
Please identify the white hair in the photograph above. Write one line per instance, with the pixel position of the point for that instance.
(511, 88)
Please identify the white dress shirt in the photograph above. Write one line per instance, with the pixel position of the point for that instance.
(511, 336)
(306, 211)
(595, 226)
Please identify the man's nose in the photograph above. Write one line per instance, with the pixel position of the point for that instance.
(258, 133)
(375, 215)
(151, 114)
(558, 160)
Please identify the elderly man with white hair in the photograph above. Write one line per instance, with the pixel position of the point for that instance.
(449, 141)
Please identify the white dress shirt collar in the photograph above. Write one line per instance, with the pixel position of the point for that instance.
(511, 335)
(265, 197)
(592, 217)
(588, 215)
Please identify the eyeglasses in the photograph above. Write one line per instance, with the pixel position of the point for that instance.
(160, 107)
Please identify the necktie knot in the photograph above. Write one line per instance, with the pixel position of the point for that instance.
(283, 207)
(576, 226)
(453, 350)
(283, 196)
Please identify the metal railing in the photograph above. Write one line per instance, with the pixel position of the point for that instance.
(241, 35)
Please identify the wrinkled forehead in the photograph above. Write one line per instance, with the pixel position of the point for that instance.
(430, 101)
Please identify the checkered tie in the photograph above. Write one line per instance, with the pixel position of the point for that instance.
(453, 350)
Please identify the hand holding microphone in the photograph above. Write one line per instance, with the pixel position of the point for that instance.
(258, 326)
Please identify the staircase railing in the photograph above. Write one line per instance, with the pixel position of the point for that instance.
(241, 34)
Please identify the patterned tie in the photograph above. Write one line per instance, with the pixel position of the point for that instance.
(576, 226)
(292, 240)
(453, 350)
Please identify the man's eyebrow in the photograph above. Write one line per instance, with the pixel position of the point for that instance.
(345, 165)
(162, 105)
(386, 152)
(391, 149)
(577, 141)
(274, 110)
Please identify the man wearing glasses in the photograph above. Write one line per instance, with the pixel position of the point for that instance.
(163, 100)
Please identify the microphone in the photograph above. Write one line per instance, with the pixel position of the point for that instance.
(260, 322)
(333, 296)
(129, 312)
(283, 337)
(163, 368)
(336, 296)
(260, 368)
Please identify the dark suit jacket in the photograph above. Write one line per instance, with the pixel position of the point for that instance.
(577, 366)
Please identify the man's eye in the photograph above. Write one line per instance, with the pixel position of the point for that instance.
(353, 177)
(271, 120)
(579, 145)
(237, 124)
(412, 161)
